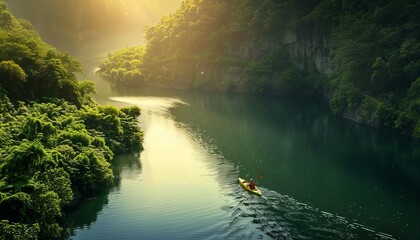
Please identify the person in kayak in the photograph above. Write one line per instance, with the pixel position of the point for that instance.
(251, 184)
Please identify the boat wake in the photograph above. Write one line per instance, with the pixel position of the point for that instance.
(277, 216)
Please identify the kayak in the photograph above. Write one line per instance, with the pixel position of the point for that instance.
(244, 184)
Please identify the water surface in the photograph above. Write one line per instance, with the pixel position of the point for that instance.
(323, 177)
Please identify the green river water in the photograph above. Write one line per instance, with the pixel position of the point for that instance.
(323, 177)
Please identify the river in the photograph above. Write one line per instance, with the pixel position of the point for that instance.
(321, 177)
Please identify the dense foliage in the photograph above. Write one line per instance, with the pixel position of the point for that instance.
(53, 154)
(123, 67)
(373, 46)
(56, 144)
(32, 70)
(377, 62)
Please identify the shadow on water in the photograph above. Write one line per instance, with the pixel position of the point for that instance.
(370, 176)
(324, 178)
(275, 215)
(86, 212)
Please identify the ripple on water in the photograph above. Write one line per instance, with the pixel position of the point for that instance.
(326, 233)
(280, 216)
(300, 217)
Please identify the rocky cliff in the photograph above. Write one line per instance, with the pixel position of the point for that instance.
(309, 52)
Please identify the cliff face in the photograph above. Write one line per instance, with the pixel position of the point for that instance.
(309, 52)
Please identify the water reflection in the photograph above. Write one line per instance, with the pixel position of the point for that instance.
(362, 173)
(318, 180)
(84, 214)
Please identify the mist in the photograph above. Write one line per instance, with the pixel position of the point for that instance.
(67, 23)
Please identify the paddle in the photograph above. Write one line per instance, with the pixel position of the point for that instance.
(260, 177)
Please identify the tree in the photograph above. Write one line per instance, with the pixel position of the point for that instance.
(380, 79)
(46, 207)
(58, 181)
(21, 161)
(18, 231)
(15, 208)
(12, 78)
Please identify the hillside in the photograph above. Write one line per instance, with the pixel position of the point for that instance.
(56, 143)
(362, 55)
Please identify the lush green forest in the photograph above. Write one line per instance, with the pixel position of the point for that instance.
(123, 67)
(363, 55)
(56, 143)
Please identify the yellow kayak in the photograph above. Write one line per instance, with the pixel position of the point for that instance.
(244, 184)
